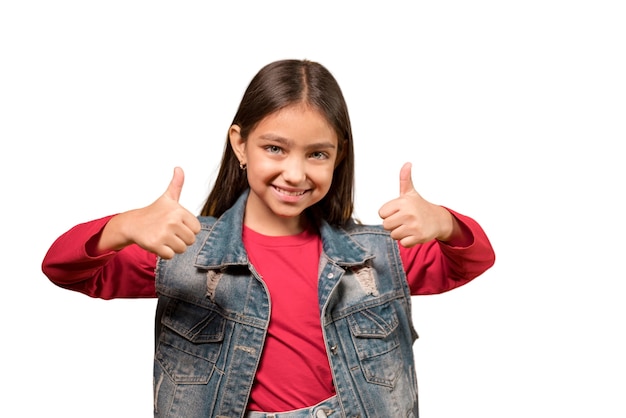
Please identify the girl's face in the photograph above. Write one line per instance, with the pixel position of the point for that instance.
(290, 157)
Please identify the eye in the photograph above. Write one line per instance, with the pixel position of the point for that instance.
(319, 155)
(273, 149)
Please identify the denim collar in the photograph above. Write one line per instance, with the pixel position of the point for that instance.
(223, 245)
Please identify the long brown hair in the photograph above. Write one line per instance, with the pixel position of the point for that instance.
(274, 87)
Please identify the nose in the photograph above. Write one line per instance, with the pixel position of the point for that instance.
(294, 170)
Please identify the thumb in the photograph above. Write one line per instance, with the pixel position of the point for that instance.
(176, 185)
(406, 183)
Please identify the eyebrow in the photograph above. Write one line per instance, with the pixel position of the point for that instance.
(284, 141)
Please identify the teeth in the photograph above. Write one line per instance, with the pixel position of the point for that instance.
(289, 193)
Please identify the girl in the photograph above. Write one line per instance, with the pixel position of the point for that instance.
(275, 302)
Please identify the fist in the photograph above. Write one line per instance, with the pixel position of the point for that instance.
(165, 227)
(410, 218)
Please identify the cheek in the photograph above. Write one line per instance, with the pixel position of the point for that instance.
(261, 168)
(325, 177)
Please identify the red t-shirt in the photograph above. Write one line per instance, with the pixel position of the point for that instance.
(294, 371)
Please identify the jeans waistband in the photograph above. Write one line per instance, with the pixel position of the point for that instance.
(327, 408)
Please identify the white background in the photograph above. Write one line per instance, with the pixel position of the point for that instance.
(512, 112)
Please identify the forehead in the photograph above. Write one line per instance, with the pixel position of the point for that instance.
(296, 123)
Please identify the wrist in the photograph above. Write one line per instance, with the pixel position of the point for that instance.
(114, 236)
(454, 233)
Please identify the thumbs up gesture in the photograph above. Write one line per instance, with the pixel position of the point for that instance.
(413, 220)
(164, 227)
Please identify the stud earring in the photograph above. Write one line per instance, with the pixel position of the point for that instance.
(242, 166)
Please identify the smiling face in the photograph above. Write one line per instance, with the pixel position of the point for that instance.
(290, 157)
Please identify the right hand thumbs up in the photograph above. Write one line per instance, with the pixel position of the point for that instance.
(164, 227)
(176, 184)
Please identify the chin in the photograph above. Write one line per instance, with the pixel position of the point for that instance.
(289, 215)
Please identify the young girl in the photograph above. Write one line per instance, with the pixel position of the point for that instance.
(275, 302)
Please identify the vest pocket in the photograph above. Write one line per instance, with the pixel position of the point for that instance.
(377, 344)
(190, 342)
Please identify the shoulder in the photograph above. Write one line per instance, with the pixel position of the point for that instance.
(367, 235)
(207, 222)
(356, 228)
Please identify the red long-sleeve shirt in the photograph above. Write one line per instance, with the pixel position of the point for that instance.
(431, 268)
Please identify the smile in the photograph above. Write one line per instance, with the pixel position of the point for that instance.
(288, 193)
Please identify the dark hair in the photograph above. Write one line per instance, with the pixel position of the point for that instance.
(274, 87)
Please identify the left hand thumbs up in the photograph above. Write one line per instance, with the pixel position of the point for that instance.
(406, 183)
(410, 218)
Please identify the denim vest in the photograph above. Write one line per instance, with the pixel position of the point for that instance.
(213, 313)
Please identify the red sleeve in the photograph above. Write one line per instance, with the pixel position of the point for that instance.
(71, 263)
(435, 267)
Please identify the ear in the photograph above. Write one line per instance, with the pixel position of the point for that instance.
(238, 143)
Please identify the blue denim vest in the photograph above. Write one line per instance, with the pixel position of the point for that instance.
(213, 312)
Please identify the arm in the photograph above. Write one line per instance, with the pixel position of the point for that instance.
(72, 262)
(115, 256)
(440, 249)
(436, 266)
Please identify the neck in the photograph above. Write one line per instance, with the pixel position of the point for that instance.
(278, 226)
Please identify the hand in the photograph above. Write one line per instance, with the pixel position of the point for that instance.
(411, 219)
(164, 227)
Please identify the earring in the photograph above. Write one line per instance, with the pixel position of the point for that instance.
(242, 166)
